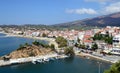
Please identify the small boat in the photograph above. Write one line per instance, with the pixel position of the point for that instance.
(52, 59)
(33, 62)
(88, 57)
(46, 59)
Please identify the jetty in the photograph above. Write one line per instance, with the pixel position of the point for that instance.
(32, 59)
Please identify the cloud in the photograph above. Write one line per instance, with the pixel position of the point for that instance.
(112, 8)
(81, 11)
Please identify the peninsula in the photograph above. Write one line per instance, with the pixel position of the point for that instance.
(30, 53)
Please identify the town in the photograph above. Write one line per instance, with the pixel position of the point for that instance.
(107, 39)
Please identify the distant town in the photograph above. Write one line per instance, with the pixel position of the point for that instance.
(110, 45)
(98, 43)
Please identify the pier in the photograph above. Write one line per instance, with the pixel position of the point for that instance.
(31, 59)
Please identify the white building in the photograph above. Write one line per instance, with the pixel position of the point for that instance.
(116, 45)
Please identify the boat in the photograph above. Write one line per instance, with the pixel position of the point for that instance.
(46, 59)
(39, 60)
(52, 58)
(34, 61)
(88, 57)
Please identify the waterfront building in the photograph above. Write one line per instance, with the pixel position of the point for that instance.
(116, 45)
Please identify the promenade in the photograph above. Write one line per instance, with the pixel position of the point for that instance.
(107, 58)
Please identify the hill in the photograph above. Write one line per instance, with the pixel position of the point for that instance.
(29, 51)
(101, 21)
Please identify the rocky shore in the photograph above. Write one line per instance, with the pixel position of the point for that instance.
(29, 53)
(31, 59)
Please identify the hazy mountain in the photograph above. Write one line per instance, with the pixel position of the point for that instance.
(101, 21)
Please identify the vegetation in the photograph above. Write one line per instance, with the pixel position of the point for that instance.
(80, 45)
(115, 68)
(44, 35)
(94, 46)
(107, 38)
(26, 44)
(21, 46)
(36, 43)
(78, 40)
(69, 51)
(62, 42)
(52, 46)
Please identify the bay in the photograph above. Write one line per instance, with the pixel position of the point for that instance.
(69, 65)
(9, 44)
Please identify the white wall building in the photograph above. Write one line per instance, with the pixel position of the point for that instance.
(116, 45)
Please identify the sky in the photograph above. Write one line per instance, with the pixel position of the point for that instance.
(53, 11)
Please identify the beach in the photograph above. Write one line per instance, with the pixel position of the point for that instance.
(50, 40)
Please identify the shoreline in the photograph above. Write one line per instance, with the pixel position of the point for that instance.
(50, 40)
(31, 59)
(89, 56)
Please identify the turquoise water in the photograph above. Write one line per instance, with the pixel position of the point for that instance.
(71, 65)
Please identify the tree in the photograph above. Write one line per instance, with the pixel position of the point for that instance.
(52, 46)
(69, 51)
(62, 42)
(106, 38)
(78, 40)
(36, 43)
(26, 44)
(76, 45)
(44, 35)
(94, 46)
(109, 40)
(21, 47)
(83, 46)
(115, 68)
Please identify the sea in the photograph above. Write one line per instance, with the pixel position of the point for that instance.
(75, 64)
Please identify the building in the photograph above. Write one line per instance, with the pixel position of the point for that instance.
(116, 45)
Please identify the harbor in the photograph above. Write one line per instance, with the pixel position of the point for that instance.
(40, 63)
(39, 59)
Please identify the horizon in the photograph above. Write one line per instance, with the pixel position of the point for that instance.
(53, 12)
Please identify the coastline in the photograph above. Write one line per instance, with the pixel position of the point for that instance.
(90, 56)
(31, 59)
(50, 40)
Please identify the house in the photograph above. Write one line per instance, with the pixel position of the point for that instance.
(116, 45)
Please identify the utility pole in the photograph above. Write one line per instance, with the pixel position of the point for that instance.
(99, 66)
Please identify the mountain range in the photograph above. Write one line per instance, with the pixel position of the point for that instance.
(100, 21)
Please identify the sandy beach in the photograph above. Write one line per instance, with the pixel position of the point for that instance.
(50, 40)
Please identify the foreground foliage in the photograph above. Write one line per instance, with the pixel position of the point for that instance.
(115, 68)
